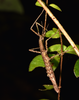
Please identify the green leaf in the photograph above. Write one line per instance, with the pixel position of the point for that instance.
(38, 4)
(52, 32)
(36, 62)
(70, 50)
(11, 6)
(55, 7)
(47, 87)
(55, 61)
(57, 47)
(76, 68)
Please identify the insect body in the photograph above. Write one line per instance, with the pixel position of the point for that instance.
(46, 59)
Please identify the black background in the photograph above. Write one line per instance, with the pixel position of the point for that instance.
(15, 40)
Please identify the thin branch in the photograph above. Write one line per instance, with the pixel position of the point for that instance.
(45, 17)
(59, 26)
(58, 54)
(60, 64)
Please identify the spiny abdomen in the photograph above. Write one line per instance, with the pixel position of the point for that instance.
(50, 72)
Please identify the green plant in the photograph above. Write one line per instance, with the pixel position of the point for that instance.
(38, 61)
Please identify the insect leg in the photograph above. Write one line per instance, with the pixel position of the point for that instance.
(34, 50)
(49, 39)
(31, 28)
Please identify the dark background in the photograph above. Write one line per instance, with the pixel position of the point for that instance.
(15, 40)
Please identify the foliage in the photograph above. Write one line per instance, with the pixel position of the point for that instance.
(54, 33)
(76, 68)
(47, 87)
(38, 61)
(55, 7)
(51, 5)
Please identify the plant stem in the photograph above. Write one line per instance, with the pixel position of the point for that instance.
(45, 17)
(59, 26)
(60, 64)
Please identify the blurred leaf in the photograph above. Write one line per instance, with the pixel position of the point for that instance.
(52, 32)
(36, 62)
(55, 7)
(57, 47)
(38, 4)
(47, 87)
(11, 6)
(70, 50)
(76, 68)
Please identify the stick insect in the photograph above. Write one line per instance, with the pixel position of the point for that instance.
(43, 51)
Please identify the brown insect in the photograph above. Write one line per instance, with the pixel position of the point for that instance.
(46, 59)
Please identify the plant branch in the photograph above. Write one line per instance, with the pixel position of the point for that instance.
(59, 26)
(60, 64)
(45, 17)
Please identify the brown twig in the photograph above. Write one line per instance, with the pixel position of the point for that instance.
(45, 17)
(60, 64)
(60, 27)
